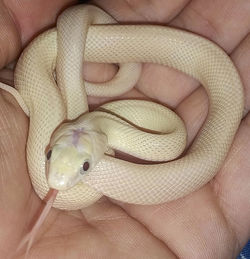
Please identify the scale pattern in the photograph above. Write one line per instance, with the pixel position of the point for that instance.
(76, 38)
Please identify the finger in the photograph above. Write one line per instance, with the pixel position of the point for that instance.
(217, 24)
(7, 76)
(232, 184)
(15, 187)
(241, 58)
(225, 22)
(98, 73)
(142, 11)
(193, 110)
(20, 20)
(33, 17)
(166, 85)
(124, 232)
(17, 201)
(13, 128)
(10, 43)
(192, 227)
(102, 230)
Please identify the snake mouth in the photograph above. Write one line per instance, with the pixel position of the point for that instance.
(61, 182)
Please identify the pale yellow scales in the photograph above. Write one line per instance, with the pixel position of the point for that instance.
(49, 102)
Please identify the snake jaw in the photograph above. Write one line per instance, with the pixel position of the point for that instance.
(62, 182)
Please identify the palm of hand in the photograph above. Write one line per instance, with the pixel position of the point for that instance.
(212, 222)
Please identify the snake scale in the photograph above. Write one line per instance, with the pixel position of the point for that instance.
(82, 165)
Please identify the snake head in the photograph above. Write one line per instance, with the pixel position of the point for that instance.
(73, 154)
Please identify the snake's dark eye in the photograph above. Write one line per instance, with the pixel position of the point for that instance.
(85, 166)
(49, 154)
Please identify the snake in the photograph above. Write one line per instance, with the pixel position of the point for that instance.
(73, 150)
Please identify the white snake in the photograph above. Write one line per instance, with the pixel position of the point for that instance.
(79, 146)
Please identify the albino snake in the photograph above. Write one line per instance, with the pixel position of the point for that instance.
(49, 79)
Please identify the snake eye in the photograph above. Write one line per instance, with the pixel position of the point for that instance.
(49, 154)
(85, 167)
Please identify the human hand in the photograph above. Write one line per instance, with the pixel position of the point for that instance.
(212, 222)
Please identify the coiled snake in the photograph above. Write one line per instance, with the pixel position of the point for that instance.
(81, 164)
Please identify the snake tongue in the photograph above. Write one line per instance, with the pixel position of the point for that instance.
(45, 209)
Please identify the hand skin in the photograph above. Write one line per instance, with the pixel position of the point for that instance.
(212, 222)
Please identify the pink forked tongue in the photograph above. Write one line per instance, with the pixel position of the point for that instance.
(29, 238)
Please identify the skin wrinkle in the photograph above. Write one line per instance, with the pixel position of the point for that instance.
(226, 25)
(76, 214)
(183, 6)
(178, 9)
(114, 243)
(130, 3)
(231, 219)
(107, 238)
(230, 228)
(108, 218)
(209, 27)
(80, 221)
(234, 152)
(223, 236)
(194, 125)
(73, 230)
(104, 205)
(61, 237)
(147, 17)
(229, 14)
(209, 24)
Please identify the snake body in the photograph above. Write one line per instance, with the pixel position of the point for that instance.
(53, 99)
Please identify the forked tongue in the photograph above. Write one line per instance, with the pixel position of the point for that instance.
(45, 209)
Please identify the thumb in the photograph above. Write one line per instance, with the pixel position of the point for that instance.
(21, 20)
(10, 40)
